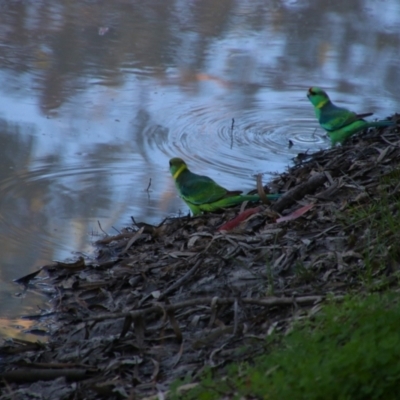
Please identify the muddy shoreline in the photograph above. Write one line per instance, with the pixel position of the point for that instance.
(161, 303)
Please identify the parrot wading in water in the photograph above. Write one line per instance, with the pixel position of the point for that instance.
(203, 194)
(339, 122)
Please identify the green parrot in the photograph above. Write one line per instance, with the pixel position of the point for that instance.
(339, 122)
(203, 194)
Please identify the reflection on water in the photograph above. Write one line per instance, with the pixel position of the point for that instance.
(97, 96)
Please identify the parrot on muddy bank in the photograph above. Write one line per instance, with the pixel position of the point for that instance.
(339, 122)
(203, 194)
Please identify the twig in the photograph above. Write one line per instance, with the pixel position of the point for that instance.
(39, 374)
(299, 192)
(121, 236)
(134, 222)
(260, 190)
(161, 308)
(148, 187)
(389, 142)
(133, 239)
(115, 229)
(98, 222)
(180, 281)
(233, 124)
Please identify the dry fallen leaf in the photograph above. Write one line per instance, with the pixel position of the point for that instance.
(295, 214)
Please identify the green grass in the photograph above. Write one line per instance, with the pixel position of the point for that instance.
(348, 351)
(375, 227)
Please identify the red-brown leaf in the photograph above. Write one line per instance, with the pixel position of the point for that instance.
(233, 223)
(295, 214)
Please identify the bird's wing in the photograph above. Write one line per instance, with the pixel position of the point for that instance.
(199, 189)
(335, 118)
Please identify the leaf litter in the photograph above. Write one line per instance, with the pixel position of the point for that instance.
(160, 303)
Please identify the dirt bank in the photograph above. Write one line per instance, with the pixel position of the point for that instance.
(161, 303)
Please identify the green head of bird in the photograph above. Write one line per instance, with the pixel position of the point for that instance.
(176, 166)
(318, 97)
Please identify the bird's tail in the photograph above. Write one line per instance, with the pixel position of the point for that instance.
(273, 196)
(377, 124)
(231, 201)
(234, 200)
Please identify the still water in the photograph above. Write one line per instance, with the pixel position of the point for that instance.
(97, 96)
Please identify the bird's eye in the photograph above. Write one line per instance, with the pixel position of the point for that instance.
(311, 91)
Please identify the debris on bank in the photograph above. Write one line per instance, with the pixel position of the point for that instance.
(161, 303)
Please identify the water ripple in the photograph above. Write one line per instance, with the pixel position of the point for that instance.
(36, 202)
(243, 146)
